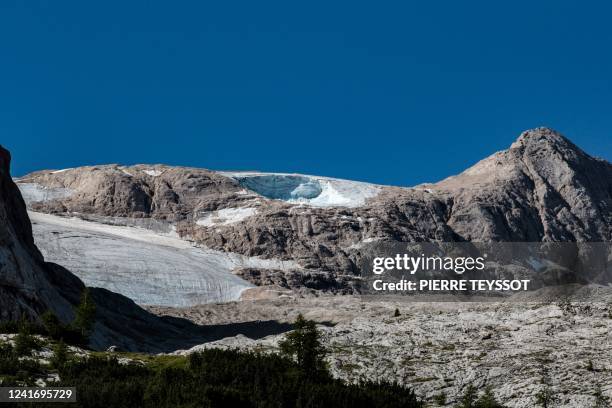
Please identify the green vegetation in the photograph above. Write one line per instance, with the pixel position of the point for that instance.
(589, 365)
(601, 401)
(470, 399)
(545, 398)
(85, 314)
(304, 345)
(219, 378)
(76, 333)
(16, 370)
(213, 378)
(440, 399)
(25, 342)
(298, 377)
(60, 355)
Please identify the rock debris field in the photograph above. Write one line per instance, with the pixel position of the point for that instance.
(518, 349)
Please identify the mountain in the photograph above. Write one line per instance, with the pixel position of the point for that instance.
(298, 231)
(29, 286)
(543, 188)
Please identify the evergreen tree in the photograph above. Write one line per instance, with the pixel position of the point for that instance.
(468, 400)
(60, 355)
(545, 397)
(487, 400)
(397, 313)
(304, 345)
(85, 314)
(25, 342)
(440, 399)
(52, 324)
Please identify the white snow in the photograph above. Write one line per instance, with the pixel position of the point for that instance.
(34, 192)
(148, 267)
(61, 171)
(304, 189)
(153, 173)
(226, 216)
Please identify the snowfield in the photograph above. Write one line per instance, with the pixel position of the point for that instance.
(153, 173)
(309, 190)
(226, 216)
(148, 267)
(33, 192)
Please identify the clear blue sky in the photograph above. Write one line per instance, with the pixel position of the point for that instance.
(388, 92)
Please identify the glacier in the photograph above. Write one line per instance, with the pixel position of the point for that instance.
(33, 192)
(308, 190)
(150, 268)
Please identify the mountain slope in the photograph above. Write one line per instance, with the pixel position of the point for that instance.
(29, 286)
(543, 188)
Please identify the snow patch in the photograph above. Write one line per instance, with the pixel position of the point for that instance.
(34, 192)
(226, 216)
(61, 171)
(153, 173)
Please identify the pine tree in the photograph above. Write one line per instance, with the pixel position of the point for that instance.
(60, 355)
(487, 400)
(397, 313)
(545, 397)
(52, 324)
(24, 341)
(304, 344)
(468, 400)
(85, 314)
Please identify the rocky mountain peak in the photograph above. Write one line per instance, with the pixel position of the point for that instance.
(540, 136)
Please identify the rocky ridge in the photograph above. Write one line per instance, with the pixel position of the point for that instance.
(542, 189)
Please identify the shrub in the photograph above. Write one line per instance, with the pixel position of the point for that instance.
(601, 401)
(545, 397)
(440, 399)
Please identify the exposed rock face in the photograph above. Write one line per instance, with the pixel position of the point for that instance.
(160, 192)
(25, 288)
(298, 279)
(543, 188)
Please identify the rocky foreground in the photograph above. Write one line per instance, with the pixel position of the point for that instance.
(520, 349)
